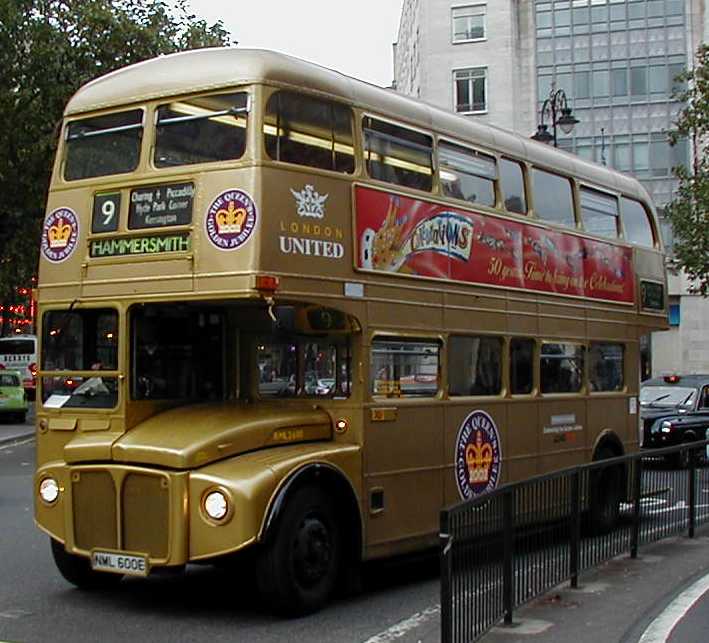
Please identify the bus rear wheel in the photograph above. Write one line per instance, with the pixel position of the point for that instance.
(77, 570)
(605, 495)
(297, 571)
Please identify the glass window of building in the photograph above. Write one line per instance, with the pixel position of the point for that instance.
(638, 81)
(601, 83)
(641, 156)
(621, 157)
(512, 185)
(467, 174)
(674, 7)
(655, 8)
(620, 82)
(397, 154)
(676, 85)
(636, 223)
(562, 18)
(468, 23)
(658, 77)
(470, 89)
(636, 10)
(582, 84)
(553, 200)
(599, 213)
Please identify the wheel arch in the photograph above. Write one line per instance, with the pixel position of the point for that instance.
(333, 481)
(607, 439)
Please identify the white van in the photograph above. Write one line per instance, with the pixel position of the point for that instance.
(19, 353)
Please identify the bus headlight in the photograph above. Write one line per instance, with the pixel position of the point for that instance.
(216, 505)
(49, 490)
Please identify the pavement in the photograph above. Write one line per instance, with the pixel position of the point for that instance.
(662, 595)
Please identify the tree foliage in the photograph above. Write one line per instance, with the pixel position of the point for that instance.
(689, 211)
(48, 49)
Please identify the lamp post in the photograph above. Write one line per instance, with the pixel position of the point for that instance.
(556, 109)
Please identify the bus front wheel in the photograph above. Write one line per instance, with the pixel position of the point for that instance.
(77, 570)
(297, 570)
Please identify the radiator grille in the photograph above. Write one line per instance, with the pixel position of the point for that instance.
(94, 499)
(144, 506)
(145, 514)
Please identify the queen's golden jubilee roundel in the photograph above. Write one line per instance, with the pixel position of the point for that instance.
(478, 456)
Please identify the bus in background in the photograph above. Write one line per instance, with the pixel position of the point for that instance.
(19, 353)
(287, 316)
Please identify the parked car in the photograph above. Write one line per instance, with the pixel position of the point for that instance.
(674, 409)
(13, 403)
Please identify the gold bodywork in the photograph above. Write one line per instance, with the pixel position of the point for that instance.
(133, 478)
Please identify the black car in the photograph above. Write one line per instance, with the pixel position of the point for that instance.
(674, 409)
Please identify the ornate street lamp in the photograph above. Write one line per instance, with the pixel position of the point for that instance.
(557, 111)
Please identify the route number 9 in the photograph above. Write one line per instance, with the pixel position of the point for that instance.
(106, 210)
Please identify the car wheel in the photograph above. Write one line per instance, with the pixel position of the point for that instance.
(77, 570)
(296, 571)
(605, 495)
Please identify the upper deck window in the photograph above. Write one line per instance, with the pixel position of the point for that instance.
(309, 131)
(202, 129)
(467, 174)
(512, 184)
(552, 198)
(398, 155)
(599, 213)
(103, 145)
(636, 222)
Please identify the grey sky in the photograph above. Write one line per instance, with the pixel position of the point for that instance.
(350, 36)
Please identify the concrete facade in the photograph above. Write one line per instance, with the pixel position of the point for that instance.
(616, 61)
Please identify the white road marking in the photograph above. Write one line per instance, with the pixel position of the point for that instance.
(660, 629)
(403, 627)
(20, 442)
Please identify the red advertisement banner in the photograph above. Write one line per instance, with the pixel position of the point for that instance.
(415, 237)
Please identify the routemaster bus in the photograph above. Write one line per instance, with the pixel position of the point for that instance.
(286, 316)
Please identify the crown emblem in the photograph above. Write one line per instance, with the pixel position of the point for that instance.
(59, 234)
(230, 220)
(310, 203)
(478, 457)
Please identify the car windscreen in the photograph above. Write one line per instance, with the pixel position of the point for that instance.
(657, 396)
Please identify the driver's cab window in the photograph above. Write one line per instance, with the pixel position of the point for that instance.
(307, 354)
(177, 353)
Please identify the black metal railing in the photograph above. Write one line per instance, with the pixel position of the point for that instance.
(510, 545)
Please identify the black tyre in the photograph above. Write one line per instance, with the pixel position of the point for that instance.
(605, 495)
(297, 570)
(77, 570)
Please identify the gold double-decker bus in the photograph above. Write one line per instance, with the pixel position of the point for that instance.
(285, 316)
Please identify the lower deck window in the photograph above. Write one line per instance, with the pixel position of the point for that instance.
(606, 362)
(405, 368)
(561, 368)
(474, 366)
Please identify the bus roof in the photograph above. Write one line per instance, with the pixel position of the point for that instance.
(210, 69)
